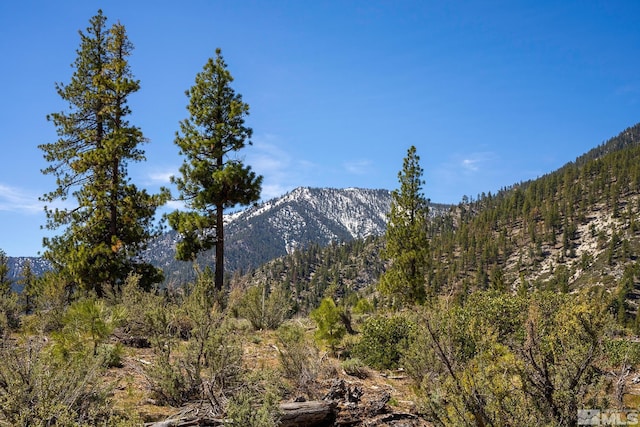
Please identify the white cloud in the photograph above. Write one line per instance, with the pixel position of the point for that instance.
(475, 161)
(470, 164)
(268, 159)
(276, 167)
(271, 191)
(160, 177)
(14, 199)
(280, 171)
(460, 174)
(358, 167)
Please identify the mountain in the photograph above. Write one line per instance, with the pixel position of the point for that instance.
(303, 217)
(280, 226)
(16, 265)
(309, 215)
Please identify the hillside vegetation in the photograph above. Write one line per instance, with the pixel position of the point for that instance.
(572, 228)
(512, 309)
(568, 239)
(529, 315)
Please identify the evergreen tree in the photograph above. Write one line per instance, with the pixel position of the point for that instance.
(407, 245)
(5, 282)
(328, 321)
(112, 219)
(30, 289)
(9, 310)
(212, 179)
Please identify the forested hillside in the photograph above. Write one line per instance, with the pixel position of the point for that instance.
(574, 227)
(342, 270)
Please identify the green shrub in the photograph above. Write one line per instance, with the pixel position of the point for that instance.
(264, 309)
(112, 355)
(383, 341)
(255, 404)
(9, 312)
(209, 365)
(330, 328)
(171, 381)
(243, 411)
(355, 367)
(137, 305)
(363, 306)
(39, 389)
(85, 325)
(298, 357)
(51, 302)
(9, 302)
(622, 351)
(504, 359)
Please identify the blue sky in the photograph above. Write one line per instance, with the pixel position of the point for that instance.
(490, 92)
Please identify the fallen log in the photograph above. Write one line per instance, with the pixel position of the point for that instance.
(188, 422)
(313, 413)
(316, 413)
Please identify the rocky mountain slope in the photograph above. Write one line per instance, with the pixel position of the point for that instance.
(303, 217)
(17, 264)
(575, 227)
(279, 226)
(311, 215)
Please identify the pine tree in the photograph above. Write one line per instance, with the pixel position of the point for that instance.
(30, 287)
(212, 179)
(112, 219)
(9, 311)
(5, 281)
(407, 245)
(328, 321)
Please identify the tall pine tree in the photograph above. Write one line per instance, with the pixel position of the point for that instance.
(111, 220)
(213, 179)
(407, 244)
